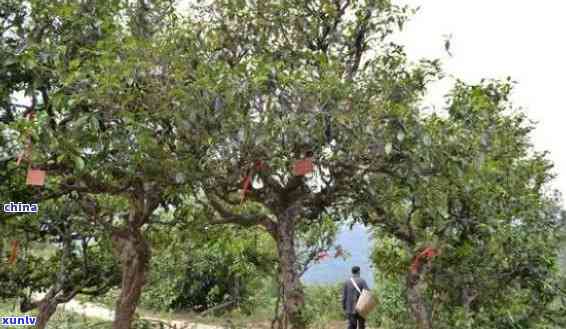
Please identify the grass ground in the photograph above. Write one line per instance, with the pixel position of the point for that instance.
(68, 320)
(261, 319)
(60, 320)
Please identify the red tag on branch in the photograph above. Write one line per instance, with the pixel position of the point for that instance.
(321, 256)
(35, 177)
(427, 253)
(246, 186)
(303, 167)
(430, 252)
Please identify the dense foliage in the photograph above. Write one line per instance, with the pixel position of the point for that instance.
(171, 143)
(485, 209)
(195, 270)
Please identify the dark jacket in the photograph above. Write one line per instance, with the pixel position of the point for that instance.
(350, 294)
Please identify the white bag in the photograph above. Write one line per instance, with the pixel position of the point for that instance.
(366, 303)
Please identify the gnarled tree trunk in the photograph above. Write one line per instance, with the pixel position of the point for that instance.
(415, 297)
(46, 308)
(57, 294)
(293, 294)
(134, 255)
(47, 305)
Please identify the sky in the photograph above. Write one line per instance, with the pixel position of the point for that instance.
(496, 39)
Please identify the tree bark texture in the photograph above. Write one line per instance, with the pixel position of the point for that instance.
(293, 294)
(46, 306)
(46, 309)
(416, 299)
(134, 253)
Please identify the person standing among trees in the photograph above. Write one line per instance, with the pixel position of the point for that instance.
(352, 291)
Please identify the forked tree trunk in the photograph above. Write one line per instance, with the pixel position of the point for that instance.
(46, 309)
(47, 306)
(134, 255)
(293, 294)
(416, 299)
(55, 295)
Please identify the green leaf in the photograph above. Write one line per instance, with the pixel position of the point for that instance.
(400, 135)
(79, 163)
(388, 148)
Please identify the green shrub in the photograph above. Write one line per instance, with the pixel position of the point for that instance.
(392, 309)
(322, 305)
(194, 271)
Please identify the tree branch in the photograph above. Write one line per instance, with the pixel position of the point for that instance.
(358, 47)
(246, 220)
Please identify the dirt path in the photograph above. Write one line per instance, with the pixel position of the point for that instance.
(92, 310)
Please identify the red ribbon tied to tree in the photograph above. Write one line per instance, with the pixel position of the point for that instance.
(303, 167)
(428, 253)
(321, 256)
(247, 181)
(14, 253)
(246, 186)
